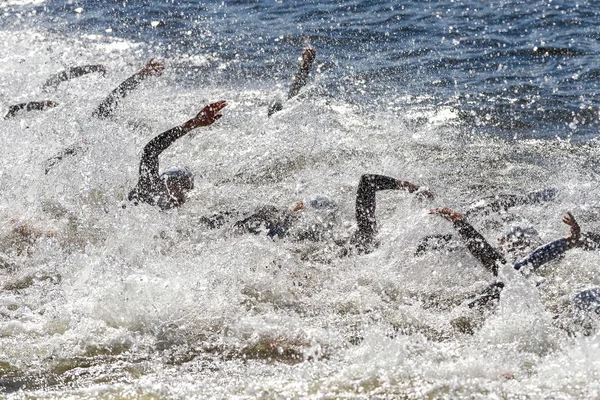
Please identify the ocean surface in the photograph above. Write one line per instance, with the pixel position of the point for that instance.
(103, 299)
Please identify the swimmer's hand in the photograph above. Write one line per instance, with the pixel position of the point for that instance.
(575, 235)
(447, 213)
(207, 116)
(153, 68)
(308, 55)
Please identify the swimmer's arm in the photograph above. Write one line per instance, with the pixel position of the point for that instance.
(33, 105)
(66, 152)
(149, 163)
(555, 249)
(72, 73)
(109, 105)
(475, 242)
(308, 57)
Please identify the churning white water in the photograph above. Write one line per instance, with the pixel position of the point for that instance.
(100, 298)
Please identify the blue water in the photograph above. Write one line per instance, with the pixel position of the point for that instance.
(510, 68)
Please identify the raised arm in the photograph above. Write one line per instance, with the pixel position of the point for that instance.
(308, 57)
(365, 202)
(32, 105)
(555, 249)
(109, 105)
(72, 73)
(475, 242)
(149, 164)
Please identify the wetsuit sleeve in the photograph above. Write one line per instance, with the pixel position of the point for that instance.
(301, 76)
(478, 246)
(544, 254)
(33, 105)
(365, 201)
(149, 167)
(590, 241)
(504, 202)
(298, 82)
(109, 105)
(72, 73)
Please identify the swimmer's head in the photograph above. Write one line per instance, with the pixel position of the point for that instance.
(178, 180)
(517, 238)
(318, 202)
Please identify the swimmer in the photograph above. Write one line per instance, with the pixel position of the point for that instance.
(109, 105)
(492, 258)
(494, 204)
(31, 106)
(72, 73)
(308, 57)
(284, 223)
(168, 190)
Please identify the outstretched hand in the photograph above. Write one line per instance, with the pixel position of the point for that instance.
(447, 213)
(208, 115)
(573, 238)
(154, 68)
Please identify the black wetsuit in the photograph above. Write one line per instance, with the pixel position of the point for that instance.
(494, 204)
(364, 238)
(492, 259)
(151, 189)
(298, 82)
(279, 222)
(109, 105)
(32, 105)
(479, 247)
(72, 73)
(503, 202)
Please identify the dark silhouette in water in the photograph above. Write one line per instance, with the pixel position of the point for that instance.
(168, 190)
(31, 106)
(72, 73)
(109, 105)
(308, 57)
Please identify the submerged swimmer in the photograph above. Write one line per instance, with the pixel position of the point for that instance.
(284, 223)
(308, 57)
(169, 189)
(492, 258)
